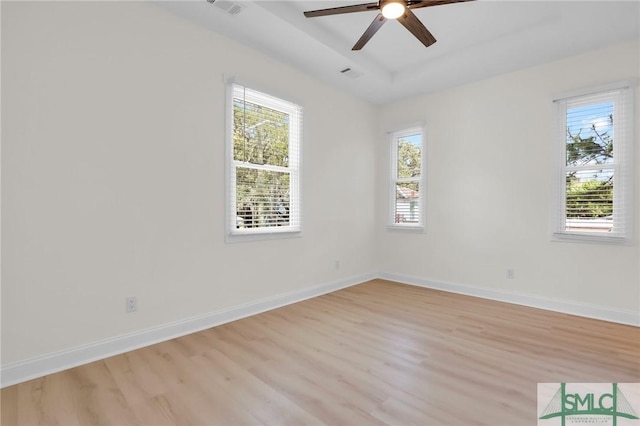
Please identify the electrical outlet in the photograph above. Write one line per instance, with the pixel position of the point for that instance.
(132, 304)
(511, 274)
(337, 265)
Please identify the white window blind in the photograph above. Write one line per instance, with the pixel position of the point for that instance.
(594, 178)
(407, 179)
(264, 172)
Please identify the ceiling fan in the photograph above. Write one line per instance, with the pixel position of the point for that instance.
(399, 10)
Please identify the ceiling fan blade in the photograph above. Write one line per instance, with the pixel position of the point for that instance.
(415, 4)
(342, 9)
(413, 24)
(373, 28)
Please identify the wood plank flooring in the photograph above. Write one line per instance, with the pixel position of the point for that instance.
(376, 353)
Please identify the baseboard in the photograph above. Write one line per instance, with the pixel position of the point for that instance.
(556, 305)
(22, 371)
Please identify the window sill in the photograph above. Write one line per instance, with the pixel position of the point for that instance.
(406, 228)
(246, 236)
(566, 237)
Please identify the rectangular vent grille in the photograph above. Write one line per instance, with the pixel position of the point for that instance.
(351, 73)
(230, 7)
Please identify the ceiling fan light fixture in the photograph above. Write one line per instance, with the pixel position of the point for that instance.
(393, 9)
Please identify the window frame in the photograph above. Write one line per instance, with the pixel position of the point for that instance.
(622, 95)
(232, 233)
(392, 139)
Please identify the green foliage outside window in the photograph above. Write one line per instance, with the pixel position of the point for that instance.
(589, 190)
(261, 138)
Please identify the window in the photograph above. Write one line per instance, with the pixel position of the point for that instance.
(594, 175)
(407, 179)
(264, 158)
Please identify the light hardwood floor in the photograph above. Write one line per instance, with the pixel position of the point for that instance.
(375, 353)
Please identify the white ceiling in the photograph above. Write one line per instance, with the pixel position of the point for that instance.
(476, 39)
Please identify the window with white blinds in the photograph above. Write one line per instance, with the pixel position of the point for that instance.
(594, 178)
(264, 159)
(407, 179)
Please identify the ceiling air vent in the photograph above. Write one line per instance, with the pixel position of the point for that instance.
(232, 8)
(351, 73)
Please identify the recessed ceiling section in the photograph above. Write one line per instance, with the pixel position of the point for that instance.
(476, 39)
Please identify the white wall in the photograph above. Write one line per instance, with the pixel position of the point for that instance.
(489, 190)
(113, 176)
(113, 180)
